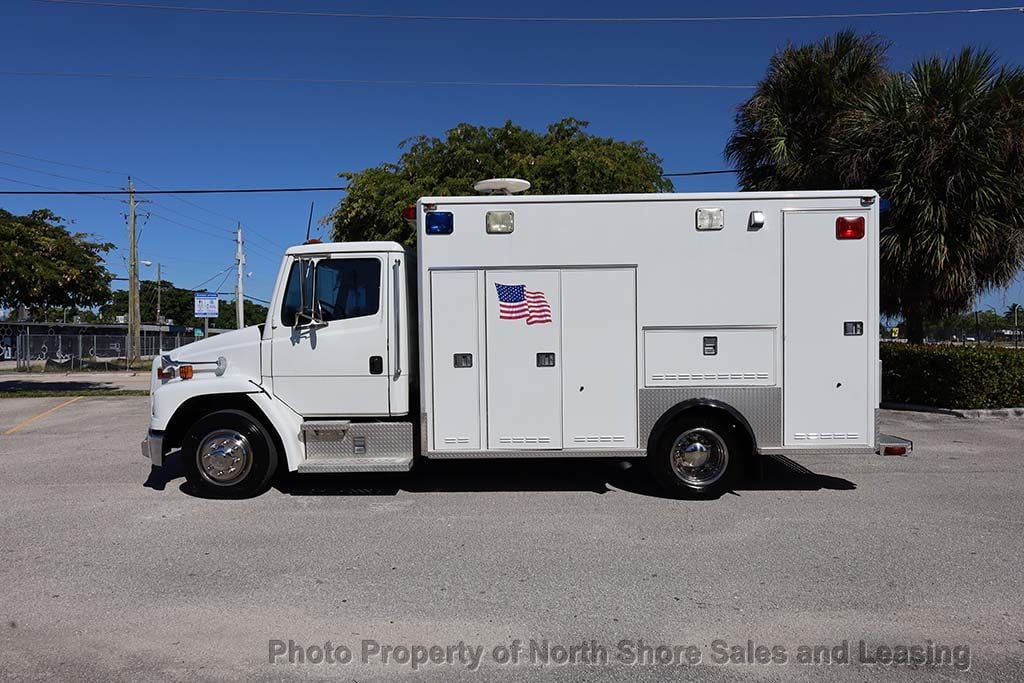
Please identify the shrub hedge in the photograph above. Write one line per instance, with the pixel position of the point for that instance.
(952, 376)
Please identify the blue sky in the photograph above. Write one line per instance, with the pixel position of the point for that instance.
(174, 133)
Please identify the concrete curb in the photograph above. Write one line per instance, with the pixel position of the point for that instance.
(964, 413)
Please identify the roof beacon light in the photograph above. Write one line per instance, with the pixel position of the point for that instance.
(502, 186)
(409, 214)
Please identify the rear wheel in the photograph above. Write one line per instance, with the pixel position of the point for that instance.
(229, 454)
(699, 455)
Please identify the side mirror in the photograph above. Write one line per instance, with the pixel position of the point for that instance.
(308, 313)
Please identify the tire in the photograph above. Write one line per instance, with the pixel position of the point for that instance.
(713, 463)
(229, 454)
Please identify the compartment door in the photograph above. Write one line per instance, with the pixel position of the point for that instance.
(826, 366)
(455, 359)
(599, 369)
(524, 360)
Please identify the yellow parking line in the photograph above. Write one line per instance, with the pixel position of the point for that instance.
(43, 414)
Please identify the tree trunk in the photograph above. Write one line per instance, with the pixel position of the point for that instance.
(915, 328)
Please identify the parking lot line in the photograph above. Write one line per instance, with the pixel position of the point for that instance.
(40, 415)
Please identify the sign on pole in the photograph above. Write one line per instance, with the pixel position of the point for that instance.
(206, 305)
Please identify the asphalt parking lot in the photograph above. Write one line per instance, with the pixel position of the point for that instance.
(112, 571)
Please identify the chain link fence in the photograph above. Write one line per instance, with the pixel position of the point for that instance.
(77, 352)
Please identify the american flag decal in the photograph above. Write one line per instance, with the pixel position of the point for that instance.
(516, 302)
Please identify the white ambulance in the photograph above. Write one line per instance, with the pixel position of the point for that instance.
(700, 332)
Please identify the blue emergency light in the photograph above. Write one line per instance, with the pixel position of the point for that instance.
(440, 223)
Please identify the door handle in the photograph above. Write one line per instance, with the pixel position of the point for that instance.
(545, 360)
(376, 365)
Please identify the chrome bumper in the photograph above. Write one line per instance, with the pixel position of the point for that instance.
(152, 448)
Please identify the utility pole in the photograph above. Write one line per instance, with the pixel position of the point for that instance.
(239, 287)
(134, 352)
(159, 318)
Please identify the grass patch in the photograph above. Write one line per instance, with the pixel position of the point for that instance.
(70, 393)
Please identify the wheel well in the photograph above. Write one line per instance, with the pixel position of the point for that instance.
(191, 410)
(705, 408)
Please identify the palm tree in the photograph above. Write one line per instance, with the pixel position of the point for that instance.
(944, 143)
(784, 132)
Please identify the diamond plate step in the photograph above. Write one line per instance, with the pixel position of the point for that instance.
(357, 464)
(325, 429)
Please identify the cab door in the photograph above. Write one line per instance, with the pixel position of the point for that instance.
(338, 366)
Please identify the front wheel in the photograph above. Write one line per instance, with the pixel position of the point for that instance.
(698, 455)
(229, 454)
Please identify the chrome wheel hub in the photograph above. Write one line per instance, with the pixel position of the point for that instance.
(224, 457)
(699, 457)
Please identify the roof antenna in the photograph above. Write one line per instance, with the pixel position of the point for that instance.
(498, 186)
(309, 222)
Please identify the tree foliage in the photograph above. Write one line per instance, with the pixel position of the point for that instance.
(177, 304)
(563, 160)
(42, 264)
(785, 133)
(943, 144)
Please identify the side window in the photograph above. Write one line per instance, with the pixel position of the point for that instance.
(292, 296)
(348, 288)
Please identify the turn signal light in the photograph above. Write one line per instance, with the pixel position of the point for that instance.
(894, 450)
(185, 371)
(165, 373)
(849, 228)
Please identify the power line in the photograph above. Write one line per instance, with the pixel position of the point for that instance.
(246, 190)
(165, 207)
(52, 175)
(19, 182)
(235, 190)
(367, 81)
(578, 20)
(213, 277)
(693, 173)
(212, 213)
(93, 169)
(187, 227)
(61, 163)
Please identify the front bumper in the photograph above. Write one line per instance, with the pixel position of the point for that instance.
(153, 448)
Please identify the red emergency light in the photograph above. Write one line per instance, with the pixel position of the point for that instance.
(849, 228)
(409, 213)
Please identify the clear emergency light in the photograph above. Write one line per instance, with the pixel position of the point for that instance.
(710, 218)
(500, 222)
(440, 223)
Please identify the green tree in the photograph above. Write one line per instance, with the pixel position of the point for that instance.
(563, 160)
(227, 317)
(43, 265)
(177, 304)
(943, 144)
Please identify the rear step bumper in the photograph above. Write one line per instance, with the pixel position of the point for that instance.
(894, 445)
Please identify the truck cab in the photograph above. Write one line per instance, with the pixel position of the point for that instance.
(328, 369)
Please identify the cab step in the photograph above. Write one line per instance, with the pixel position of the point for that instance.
(357, 464)
(348, 446)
